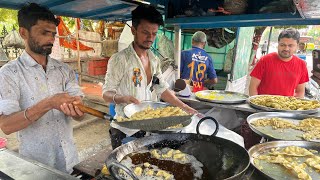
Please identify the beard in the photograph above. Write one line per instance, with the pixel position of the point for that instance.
(284, 55)
(39, 49)
(144, 45)
(141, 46)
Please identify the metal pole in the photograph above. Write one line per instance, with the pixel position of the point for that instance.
(234, 55)
(177, 49)
(269, 38)
(78, 53)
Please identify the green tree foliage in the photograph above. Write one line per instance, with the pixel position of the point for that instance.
(276, 30)
(315, 33)
(8, 19)
(274, 35)
(71, 23)
(295, 26)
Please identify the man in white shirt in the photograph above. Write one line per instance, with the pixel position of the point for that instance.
(131, 71)
(37, 94)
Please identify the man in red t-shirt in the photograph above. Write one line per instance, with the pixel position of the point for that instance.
(281, 73)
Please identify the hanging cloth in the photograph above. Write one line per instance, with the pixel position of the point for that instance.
(69, 43)
(100, 28)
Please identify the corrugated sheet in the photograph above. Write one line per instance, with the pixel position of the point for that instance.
(108, 10)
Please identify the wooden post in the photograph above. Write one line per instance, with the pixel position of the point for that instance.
(177, 49)
(78, 53)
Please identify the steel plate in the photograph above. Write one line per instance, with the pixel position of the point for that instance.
(309, 111)
(130, 109)
(229, 97)
(275, 171)
(155, 124)
(279, 134)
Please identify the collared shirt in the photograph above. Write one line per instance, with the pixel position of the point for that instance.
(24, 83)
(126, 76)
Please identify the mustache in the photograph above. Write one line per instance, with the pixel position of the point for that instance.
(48, 45)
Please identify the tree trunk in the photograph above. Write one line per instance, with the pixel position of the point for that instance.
(256, 40)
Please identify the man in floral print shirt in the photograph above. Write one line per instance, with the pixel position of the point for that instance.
(131, 71)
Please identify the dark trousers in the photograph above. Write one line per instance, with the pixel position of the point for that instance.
(117, 136)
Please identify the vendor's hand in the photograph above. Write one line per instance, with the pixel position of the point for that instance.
(71, 110)
(129, 100)
(58, 99)
(189, 109)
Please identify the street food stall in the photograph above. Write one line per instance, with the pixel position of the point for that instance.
(211, 155)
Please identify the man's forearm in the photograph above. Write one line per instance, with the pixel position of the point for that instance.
(211, 81)
(300, 91)
(299, 94)
(169, 97)
(20, 120)
(113, 97)
(253, 91)
(107, 96)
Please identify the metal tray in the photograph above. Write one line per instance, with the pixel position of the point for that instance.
(278, 134)
(310, 111)
(275, 171)
(155, 124)
(130, 109)
(229, 97)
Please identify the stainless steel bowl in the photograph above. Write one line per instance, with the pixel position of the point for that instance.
(276, 171)
(278, 134)
(130, 109)
(265, 108)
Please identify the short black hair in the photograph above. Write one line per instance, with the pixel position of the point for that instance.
(30, 13)
(146, 12)
(290, 33)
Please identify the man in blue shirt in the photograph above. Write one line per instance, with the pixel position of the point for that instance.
(196, 64)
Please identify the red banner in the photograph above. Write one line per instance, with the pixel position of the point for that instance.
(72, 44)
